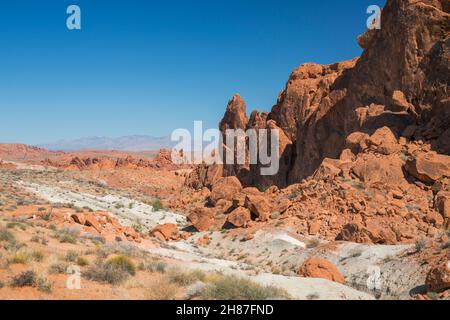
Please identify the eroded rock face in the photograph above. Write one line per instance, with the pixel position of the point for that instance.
(323, 104)
(354, 232)
(316, 267)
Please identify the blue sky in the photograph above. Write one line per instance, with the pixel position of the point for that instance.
(149, 67)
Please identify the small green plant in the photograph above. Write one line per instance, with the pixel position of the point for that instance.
(157, 205)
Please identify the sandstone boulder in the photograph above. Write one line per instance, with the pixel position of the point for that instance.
(386, 170)
(226, 188)
(356, 142)
(259, 206)
(239, 217)
(384, 141)
(165, 232)
(438, 279)
(202, 219)
(316, 267)
(429, 167)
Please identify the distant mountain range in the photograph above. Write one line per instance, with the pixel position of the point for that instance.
(127, 143)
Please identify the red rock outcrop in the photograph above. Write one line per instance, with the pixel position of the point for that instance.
(165, 232)
(323, 104)
(316, 267)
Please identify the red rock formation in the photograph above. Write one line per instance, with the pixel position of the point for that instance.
(400, 79)
(316, 267)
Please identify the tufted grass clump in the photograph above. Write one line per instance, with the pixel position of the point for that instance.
(221, 287)
(114, 271)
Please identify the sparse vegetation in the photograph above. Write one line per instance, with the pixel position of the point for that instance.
(6, 235)
(114, 271)
(157, 205)
(71, 256)
(31, 279)
(82, 261)
(185, 278)
(66, 235)
(222, 287)
(162, 289)
(58, 268)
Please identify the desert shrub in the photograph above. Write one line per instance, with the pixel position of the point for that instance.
(37, 256)
(15, 224)
(185, 278)
(157, 205)
(153, 266)
(123, 248)
(113, 271)
(58, 268)
(122, 263)
(103, 273)
(1, 284)
(66, 235)
(162, 289)
(71, 256)
(21, 257)
(25, 279)
(42, 284)
(31, 279)
(82, 261)
(223, 287)
(6, 235)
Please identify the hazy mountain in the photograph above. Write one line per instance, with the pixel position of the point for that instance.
(127, 143)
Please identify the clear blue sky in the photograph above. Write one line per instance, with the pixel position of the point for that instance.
(148, 67)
